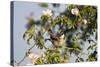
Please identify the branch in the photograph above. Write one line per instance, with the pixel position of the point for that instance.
(21, 60)
(18, 63)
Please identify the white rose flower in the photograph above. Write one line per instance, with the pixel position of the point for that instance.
(47, 12)
(85, 21)
(75, 11)
(33, 57)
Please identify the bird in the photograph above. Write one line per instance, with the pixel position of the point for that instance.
(57, 39)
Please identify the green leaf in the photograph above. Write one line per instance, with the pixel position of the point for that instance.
(39, 61)
(45, 5)
(76, 44)
(44, 19)
(24, 35)
(91, 47)
(79, 59)
(39, 42)
(28, 40)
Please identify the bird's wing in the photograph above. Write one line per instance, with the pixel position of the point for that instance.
(53, 37)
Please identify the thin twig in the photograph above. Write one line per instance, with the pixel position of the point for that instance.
(31, 48)
(25, 56)
(21, 60)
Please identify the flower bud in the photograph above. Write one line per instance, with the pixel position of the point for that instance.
(85, 21)
(33, 57)
(75, 11)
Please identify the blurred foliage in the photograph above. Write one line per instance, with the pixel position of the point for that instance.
(54, 56)
(45, 5)
(30, 32)
(92, 46)
(79, 59)
(44, 19)
(70, 24)
(39, 42)
(55, 5)
(39, 61)
(92, 56)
